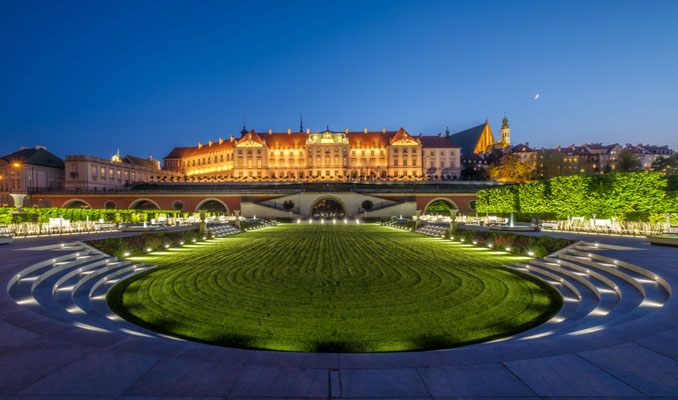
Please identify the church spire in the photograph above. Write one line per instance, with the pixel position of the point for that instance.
(301, 124)
(505, 132)
(244, 128)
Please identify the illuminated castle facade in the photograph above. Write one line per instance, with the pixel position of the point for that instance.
(326, 155)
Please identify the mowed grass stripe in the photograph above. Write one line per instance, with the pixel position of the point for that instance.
(334, 288)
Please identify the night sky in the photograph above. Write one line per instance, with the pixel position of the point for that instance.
(91, 77)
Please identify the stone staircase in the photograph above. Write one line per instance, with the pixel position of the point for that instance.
(598, 292)
(72, 288)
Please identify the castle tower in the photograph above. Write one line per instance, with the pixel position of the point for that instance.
(505, 132)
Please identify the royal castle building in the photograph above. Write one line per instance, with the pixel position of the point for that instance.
(326, 155)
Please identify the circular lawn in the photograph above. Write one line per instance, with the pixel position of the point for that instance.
(338, 288)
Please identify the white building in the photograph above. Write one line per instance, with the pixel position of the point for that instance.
(94, 173)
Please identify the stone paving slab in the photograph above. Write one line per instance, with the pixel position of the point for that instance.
(645, 370)
(402, 382)
(281, 382)
(95, 374)
(186, 378)
(21, 367)
(474, 380)
(568, 375)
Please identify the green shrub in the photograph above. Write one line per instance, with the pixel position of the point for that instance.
(518, 244)
(138, 244)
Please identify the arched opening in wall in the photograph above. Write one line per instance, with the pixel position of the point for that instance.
(213, 206)
(440, 206)
(76, 204)
(328, 208)
(110, 205)
(144, 204)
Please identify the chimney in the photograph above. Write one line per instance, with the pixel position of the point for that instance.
(289, 131)
(199, 145)
(221, 140)
(365, 130)
(527, 144)
(308, 130)
(346, 130)
(269, 131)
(209, 142)
(383, 130)
(447, 132)
(232, 138)
(440, 134)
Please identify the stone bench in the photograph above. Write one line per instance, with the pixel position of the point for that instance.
(548, 225)
(105, 226)
(4, 231)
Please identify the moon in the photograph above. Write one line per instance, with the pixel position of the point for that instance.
(536, 96)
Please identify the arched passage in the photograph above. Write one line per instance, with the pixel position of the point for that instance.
(76, 203)
(212, 205)
(144, 204)
(440, 206)
(328, 207)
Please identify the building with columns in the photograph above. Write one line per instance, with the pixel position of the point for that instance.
(94, 173)
(325, 155)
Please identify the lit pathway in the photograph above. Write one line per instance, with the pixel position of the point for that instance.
(617, 336)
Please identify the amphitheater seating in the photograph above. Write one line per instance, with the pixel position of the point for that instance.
(598, 292)
(223, 230)
(432, 230)
(72, 288)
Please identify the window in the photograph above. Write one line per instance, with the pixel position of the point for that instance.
(249, 163)
(433, 153)
(395, 162)
(259, 164)
(395, 150)
(442, 164)
(414, 162)
(442, 153)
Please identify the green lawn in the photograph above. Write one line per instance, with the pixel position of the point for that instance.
(349, 288)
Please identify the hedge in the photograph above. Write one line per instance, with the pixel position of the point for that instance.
(138, 244)
(80, 214)
(608, 195)
(540, 246)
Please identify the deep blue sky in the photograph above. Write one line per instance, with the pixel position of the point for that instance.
(90, 77)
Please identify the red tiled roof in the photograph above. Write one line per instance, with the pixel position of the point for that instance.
(288, 140)
(437, 142)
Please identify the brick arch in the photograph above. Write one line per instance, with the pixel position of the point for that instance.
(66, 203)
(205, 200)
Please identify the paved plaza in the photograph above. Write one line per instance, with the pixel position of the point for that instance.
(616, 337)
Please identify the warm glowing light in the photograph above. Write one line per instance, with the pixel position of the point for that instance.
(148, 250)
(508, 249)
(125, 254)
(530, 253)
(16, 165)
